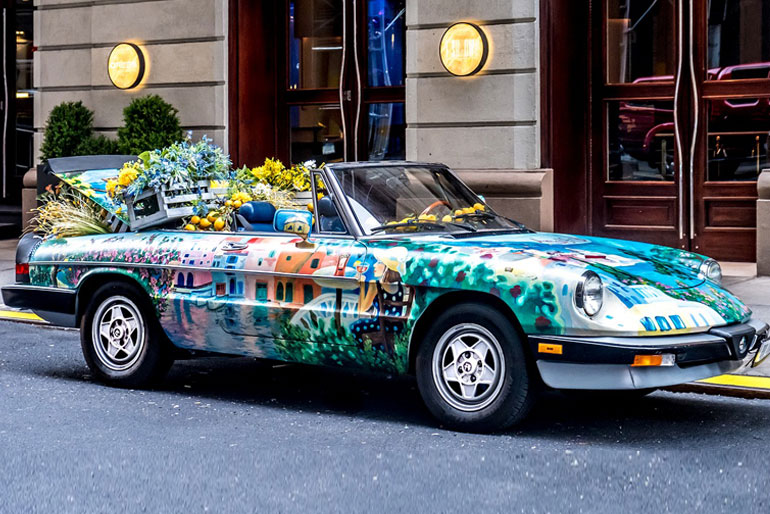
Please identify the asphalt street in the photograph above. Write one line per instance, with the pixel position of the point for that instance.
(237, 435)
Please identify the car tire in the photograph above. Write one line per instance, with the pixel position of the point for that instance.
(472, 370)
(121, 338)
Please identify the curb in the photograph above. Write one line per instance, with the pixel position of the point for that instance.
(9, 314)
(737, 386)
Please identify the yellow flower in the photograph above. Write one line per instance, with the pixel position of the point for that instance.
(111, 185)
(127, 175)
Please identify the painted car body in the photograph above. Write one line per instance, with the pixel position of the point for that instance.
(355, 301)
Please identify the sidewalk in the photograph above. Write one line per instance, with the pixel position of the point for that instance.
(739, 278)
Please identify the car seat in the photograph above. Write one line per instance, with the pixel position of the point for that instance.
(327, 216)
(257, 216)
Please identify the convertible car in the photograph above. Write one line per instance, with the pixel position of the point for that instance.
(397, 268)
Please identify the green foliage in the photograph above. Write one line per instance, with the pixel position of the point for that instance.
(69, 126)
(326, 346)
(70, 131)
(149, 123)
(98, 145)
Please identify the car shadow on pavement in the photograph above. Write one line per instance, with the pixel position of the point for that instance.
(665, 418)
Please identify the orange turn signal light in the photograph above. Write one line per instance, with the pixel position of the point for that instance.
(667, 359)
(555, 349)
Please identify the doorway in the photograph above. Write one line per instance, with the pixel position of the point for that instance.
(320, 80)
(16, 104)
(680, 122)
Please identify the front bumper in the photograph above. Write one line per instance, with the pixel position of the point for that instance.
(58, 306)
(606, 362)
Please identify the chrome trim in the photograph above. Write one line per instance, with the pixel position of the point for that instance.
(180, 267)
(342, 202)
(25, 287)
(358, 79)
(677, 133)
(5, 102)
(342, 82)
(696, 121)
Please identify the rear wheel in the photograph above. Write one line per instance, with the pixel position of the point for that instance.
(121, 338)
(472, 370)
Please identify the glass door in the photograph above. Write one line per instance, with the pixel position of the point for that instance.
(684, 118)
(16, 98)
(343, 95)
(731, 123)
(638, 180)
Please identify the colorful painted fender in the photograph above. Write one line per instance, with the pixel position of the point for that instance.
(342, 301)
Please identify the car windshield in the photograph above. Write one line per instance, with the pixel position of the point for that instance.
(408, 198)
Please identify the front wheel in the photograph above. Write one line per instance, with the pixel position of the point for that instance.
(472, 370)
(122, 341)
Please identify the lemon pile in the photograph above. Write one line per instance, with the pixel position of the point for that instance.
(213, 220)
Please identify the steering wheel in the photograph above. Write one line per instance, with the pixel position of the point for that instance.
(435, 204)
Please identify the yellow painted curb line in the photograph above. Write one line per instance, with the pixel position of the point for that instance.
(16, 315)
(739, 381)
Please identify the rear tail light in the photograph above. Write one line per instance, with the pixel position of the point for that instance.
(22, 272)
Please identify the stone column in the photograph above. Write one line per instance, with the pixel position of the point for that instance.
(763, 224)
(486, 127)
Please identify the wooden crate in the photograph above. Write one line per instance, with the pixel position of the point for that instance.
(155, 207)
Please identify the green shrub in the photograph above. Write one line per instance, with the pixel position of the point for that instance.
(98, 145)
(69, 126)
(149, 123)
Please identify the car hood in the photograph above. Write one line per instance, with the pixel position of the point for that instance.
(649, 290)
(627, 262)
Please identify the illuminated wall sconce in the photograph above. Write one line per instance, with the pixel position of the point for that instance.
(126, 66)
(464, 49)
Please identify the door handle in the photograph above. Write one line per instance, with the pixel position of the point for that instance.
(5, 102)
(696, 120)
(358, 79)
(344, 94)
(677, 128)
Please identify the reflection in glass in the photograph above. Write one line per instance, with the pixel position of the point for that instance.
(25, 94)
(387, 33)
(738, 138)
(640, 40)
(387, 132)
(316, 133)
(739, 34)
(640, 140)
(315, 43)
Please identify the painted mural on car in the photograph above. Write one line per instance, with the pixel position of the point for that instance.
(241, 294)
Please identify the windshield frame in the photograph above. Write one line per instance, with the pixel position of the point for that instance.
(357, 229)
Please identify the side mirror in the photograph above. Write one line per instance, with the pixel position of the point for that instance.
(293, 222)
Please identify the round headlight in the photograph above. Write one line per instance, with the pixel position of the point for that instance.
(589, 294)
(711, 270)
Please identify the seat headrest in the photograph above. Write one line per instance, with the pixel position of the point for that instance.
(257, 212)
(326, 207)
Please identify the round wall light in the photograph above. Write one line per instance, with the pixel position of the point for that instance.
(125, 66)
(464, 49)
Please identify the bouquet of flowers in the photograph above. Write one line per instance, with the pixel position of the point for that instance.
(179, 166)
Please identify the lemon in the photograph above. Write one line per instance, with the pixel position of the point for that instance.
(189, 226)
(205, 223)
(468, 210)
(478, 206)
(447, 219)
(237, 204)
(219, 224)
(212, 216)
(310, 207)
(459, 212)
(229, 203)
(195, 220)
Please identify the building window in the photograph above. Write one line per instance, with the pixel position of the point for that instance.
(307, 293)
(279, 292)
(289, 292)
